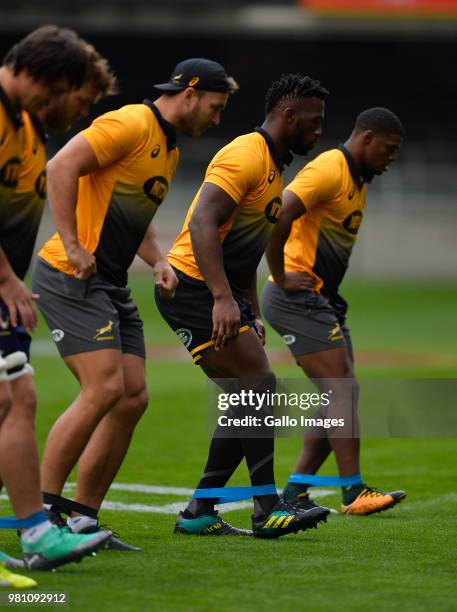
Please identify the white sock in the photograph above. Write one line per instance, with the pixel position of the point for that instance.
(80, 522)
(32, 534)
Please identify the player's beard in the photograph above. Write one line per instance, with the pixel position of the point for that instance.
(299, 145)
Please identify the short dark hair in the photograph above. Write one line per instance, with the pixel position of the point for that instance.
(380, 121)
(99, 73)
(291, 86)
(49, 54)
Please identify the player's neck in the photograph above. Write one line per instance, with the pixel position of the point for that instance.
(354, 149)
(277, 135)
(168, 109)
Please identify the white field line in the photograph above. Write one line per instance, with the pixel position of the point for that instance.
(172, 508)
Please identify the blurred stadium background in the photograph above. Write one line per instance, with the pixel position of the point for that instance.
(396, 53)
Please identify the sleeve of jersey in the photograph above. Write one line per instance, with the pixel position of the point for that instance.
(317, 182)
(235, 170)
(113, 136)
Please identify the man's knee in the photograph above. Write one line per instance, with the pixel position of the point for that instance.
(24, 396)
(106, 393)
(133, 406)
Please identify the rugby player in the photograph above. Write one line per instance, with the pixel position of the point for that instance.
(308, 256)
(215, 311)
(105, 186)
(42, 66)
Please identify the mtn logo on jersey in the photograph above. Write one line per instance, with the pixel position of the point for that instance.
(9, 174)
(156, 189)
(185, 335)
(351, 193)
(352, 222)
(273, 209)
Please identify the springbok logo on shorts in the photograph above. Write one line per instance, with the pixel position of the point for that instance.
(335, 333)
(185, 335)
(57, 335)
(102, 331)
(289, 338)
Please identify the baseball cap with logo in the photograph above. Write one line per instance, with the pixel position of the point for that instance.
(199, 73)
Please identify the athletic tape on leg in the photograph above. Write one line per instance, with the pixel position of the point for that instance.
(224, 495)
(325, 481)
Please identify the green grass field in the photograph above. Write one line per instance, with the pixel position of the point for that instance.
(403, 559)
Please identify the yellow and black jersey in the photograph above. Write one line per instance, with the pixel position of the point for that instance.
(11, 147)
(137, 154)
(249, 170)
(321, 241)
(26, 205)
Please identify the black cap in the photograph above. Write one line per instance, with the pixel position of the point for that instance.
(199, 73)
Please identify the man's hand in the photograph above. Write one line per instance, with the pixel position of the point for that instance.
(296, 281)
(226, 321)
(165, 279)
(19, 302)
(83, 261)
(260, 327)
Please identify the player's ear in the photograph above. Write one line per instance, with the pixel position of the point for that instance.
(367, 136)
(288, 114)
(189, 94)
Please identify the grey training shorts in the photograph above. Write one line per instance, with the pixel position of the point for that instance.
(305, 320)
(87, 315)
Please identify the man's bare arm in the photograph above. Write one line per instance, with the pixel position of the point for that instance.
(76, 159)
(151, 253)
(213, 209)
(292, 209)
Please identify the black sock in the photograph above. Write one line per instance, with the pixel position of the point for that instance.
(293, 490)
(350, 493)
(259, 453)
(225, 454)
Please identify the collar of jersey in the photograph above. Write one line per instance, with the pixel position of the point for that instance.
(13, 115)
(359, 177)
(279, 161)
(167, 128)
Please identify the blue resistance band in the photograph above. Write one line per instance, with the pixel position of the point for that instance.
(11, 522)
(325, 481)
(225, 495)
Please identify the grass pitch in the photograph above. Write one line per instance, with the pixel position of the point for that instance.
(405, 558)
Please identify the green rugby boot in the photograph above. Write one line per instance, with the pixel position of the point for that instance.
(207, 524)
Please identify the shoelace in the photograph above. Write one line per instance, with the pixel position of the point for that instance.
(372, 492)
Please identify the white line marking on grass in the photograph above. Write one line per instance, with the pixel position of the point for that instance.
(167, 508)
(172, 508)
(141, 488)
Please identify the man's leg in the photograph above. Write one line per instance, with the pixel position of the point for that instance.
(109, 443)
(18, 448)
(44, 545)
(244, 359)
(100, 374)
(332, 364)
